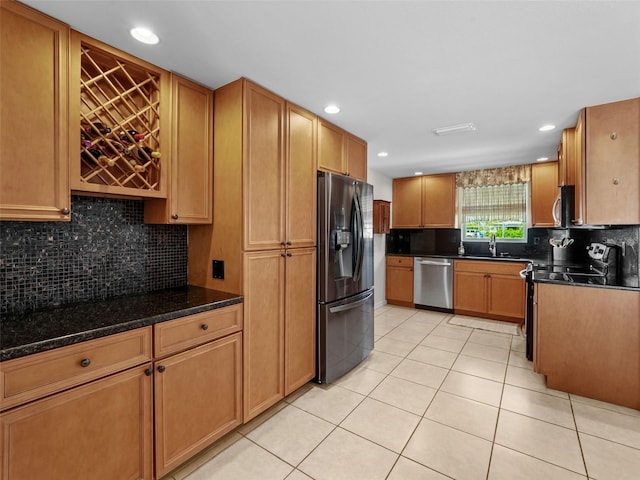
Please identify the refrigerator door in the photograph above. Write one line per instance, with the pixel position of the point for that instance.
(345, 335)
(345, 237)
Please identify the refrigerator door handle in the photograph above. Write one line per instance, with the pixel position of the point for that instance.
(358, 231)
(350, 306)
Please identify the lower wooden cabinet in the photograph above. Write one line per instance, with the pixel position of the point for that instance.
(399, 281)
(98, 431)
(489, 289)
(90, 410)
(586, 341)
(279, 325)
(198, 398)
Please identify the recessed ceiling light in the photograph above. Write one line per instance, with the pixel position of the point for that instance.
(417, 173)
(463, 127)
(144, 35)
(547, 128)
(542, 159)
(332, 109)
(383, 154)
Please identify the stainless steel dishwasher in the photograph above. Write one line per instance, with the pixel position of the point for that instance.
(433, 283)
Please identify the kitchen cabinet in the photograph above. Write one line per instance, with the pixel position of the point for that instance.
(612, 160)
(579, 168)
(590, 349)
(544, 190)
(428, 201)
(381, 216)
(45, 435)
(399, 281)
(264, 230)
(189, 196)
(34, 147)
(490, 289)
(119, 122)
(198, 398)
(279, 326)
(340, 152)
(566, 158)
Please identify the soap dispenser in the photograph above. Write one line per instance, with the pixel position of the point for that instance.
(461, 248)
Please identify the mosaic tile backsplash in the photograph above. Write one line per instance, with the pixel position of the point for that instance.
(106, 250)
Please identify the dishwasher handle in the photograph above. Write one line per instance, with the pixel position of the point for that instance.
(429, 262)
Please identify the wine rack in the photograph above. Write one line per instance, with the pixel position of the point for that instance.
(120, 111)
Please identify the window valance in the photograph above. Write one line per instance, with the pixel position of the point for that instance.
(494, 176)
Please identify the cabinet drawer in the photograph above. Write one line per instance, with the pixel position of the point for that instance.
(400, 261)
(497, 267)
(34, 376)
(182, 333)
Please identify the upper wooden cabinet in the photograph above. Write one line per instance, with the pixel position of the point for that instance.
(119, 121)
(340, 152)
(544, 190)
(190, 195)
(34, 148)
(381, 216)
(611, 152)
(427, 201)
(566, 158)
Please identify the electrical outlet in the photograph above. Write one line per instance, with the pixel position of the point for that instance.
(218, 269)
(536, 240)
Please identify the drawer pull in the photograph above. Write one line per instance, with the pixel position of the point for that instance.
(161, 368)
(148, 371)
(85, 362)
(204, 326)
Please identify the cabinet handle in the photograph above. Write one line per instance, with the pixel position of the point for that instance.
(161, 368)
(289, 254)
(65, 211)
(613, 136)
(204, 326)
(85, 362)
(616, 181)
(174, 216)
(148, 371)
(283, 254)
(289, 243)
(283, 243)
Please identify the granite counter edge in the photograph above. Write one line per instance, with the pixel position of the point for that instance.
(50, 344)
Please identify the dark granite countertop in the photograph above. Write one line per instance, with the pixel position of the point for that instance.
(455, 256)
(578, 281)
(43, 330)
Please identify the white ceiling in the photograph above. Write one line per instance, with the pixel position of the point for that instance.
(399, 69)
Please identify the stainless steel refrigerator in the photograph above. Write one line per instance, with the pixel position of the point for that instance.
(345, 274)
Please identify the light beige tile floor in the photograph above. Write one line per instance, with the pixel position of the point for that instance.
(432, 402)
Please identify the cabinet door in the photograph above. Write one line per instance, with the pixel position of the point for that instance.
(506, 296)
(190, 199)
(613, 163)
(263, 340)
(301, 177)
(264, 170)
(407, 202)
(356, 153)
(544, 191)
(300, 318)
(198, 398)
(330, 148)
(381, 216)
(579, 168)
(439, 200)
(34, 149)
(470, 292)
(101, 431)
(399, 286)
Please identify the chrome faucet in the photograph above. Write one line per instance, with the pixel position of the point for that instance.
(492, 244)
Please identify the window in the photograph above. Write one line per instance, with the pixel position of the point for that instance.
(498, 209)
